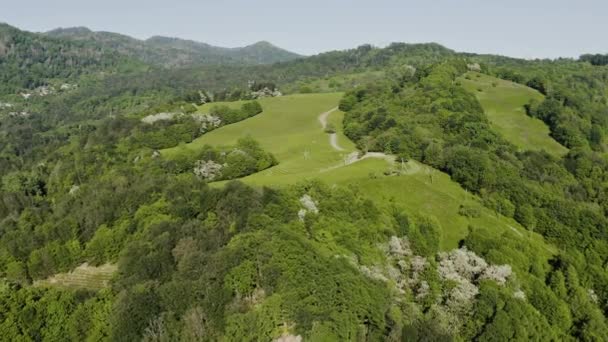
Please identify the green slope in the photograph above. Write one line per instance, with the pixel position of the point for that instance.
(290, 129)
(503, 101)
(289, 126)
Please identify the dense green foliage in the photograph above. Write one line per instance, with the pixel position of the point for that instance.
(83, 180)
(430, 118)
(174, 52)
(28, 60)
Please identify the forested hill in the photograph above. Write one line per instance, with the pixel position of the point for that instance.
(175, 52)
(28, 60)
(140, 202)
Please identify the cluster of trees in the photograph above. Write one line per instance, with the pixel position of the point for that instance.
(246, 158)
(231, 115)
(428, 117)
(597, 59)
(183, 125)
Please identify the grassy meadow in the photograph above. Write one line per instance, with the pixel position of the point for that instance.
(503, 101)
(289, 128)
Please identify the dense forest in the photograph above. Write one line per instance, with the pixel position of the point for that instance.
(202, 256)
(175, 52)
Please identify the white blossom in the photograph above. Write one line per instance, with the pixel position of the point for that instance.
(462, 295)
(289, 338)
(418, 263)
(423, 290)
(207, 169)
(74, 189)
(592, 295)
(374, 272)
(208, 122)
(302, 214)
(474, 67)
(497, 273)
(309, 204)
(519, 294)
(399, 247)
(23, 114)
(266, 92)
(460, 264)
(152, 118)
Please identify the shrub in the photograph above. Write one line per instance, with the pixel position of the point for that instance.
(330, 128)
(469, 210)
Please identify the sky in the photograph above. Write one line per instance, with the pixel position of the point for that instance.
(526, 29)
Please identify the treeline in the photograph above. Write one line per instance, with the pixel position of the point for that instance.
(180, 123)
(428, 117)
(597, 59)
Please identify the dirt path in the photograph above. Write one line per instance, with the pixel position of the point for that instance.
(333, 137)
(333, 141)
(352, 157)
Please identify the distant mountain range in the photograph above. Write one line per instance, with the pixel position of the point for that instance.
(175, 52)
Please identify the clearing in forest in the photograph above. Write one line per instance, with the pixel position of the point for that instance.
(503, 102)
(82, 277)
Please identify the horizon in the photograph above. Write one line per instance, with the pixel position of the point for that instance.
(281, 47)
(544, 29)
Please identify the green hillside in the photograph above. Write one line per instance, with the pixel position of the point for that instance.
(396, 196)
(175, 52)
(289, 127)
(503, 102)
(29, 60)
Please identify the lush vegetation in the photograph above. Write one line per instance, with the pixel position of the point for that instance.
(504, 104)
(28, 60)
(175, 52)
(417, 211)
(428, 117)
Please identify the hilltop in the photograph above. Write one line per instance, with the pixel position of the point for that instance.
(175, 52)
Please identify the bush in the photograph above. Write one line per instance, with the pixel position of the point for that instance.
(469, 210)
(252, 108)
(330, 128)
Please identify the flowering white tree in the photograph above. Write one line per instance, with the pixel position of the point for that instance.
(399, 246)
(207, 169)
(497, 273)
(309, 204)
(460, 265)
(208, 122)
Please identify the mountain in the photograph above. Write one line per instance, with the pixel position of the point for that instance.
(28, 60)
(175, 52)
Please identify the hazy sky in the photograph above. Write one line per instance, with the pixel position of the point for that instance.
(520, 28)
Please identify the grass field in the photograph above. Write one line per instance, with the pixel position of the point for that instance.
(503, 102)
(334, 83)
(82, 277)
(289, 126)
